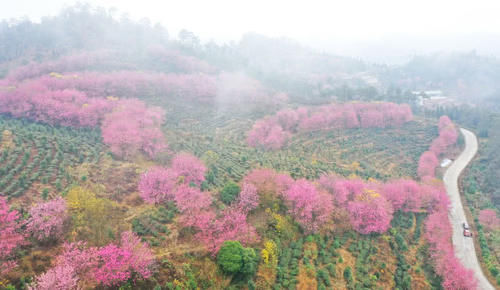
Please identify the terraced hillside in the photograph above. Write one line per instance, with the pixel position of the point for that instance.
(220, 140)
(35, 158)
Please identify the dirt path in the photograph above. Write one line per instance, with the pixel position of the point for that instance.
(464, 246)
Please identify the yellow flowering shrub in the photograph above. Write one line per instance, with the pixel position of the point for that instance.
(94, 218)
(270, 253)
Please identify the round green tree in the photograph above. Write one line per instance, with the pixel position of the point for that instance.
(249, 262)
(230, 257)
(229, 193)
(233, 258)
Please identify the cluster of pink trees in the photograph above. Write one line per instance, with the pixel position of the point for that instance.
(438, 231)
(268, 181)
(267, 134)
(370, 214)
(448, 136)
(190, 168)
(438, 234)
(370, 207)
(409, 196)
(310, 208)
(427, 165)
(47, 219)
(272, 132)
(159, 185)
(181, 184)
(198, 87)
(488, 218)
(366, 204)
(109, 265)
(81, 98)
(131, 84)
(312, 204)
(58, 277)
(248, 199)
(132, 127)
(65, 107)
(69, 63)
(91, 99)
(11, 235)
(107, 58)
(230, 224)
(128, 126)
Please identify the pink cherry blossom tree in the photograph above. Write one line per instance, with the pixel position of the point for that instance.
(11, 235)
(82, 259)
(110, 265)
(438, 146)
(371, 119)
(369, 208)
(404, 194)
(272, 132)
(427, 164)
(191, 202)
(47, 220)
(444, 122)
(118, 263)
(132, 127)
(113, 265)
(488, 218)
(455, 275)
(142, 261)
(268, 181)
(343, 190)
(190, 168)
(229, 225)
(267, 134)
(370, 213)
(310, 208)
(59, 277)
(288, 119)
(448, 135)
(248, 199)
(438, 235)
(157, 185)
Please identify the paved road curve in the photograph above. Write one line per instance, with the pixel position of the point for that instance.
(464, 246)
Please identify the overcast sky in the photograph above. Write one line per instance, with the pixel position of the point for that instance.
(313, 22)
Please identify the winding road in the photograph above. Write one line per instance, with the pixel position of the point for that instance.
(464, 246)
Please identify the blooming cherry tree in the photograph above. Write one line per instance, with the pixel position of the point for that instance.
(11, 235)
(488, 218)
(230, 225)
(248, 198)
(157, 185)
(47, 219)
(190, 168)
(310, 208)
(60, 277)
(427, 164)
(132, 127)
(370, 213)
